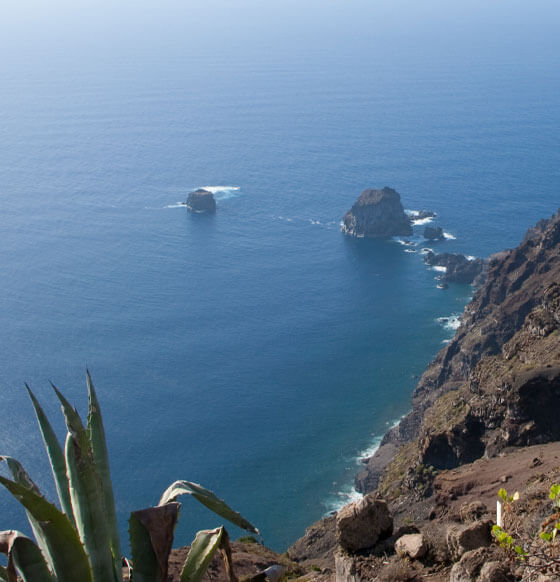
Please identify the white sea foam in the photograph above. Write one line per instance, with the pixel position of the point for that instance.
(426, 250)
(439, 268)
(470, 257)
(413, 215)
(409, 251)
(449, 236)
(420, 221)
(450, 322)
(343, 497)
(177, 205)
(223, 192)
(369, 451)
(409, 241)
(348, 493)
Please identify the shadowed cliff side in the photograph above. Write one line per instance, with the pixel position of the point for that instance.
(484, 414)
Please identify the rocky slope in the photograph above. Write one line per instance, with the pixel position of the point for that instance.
(377, 214)
(484, 416)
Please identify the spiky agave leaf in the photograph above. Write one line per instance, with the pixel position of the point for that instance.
(56, 457)
(96, 433)
(20, 476)
(203, 548)
(64, 546)
(86, 494)
(24, 556)
(210, 500)
(151, 538)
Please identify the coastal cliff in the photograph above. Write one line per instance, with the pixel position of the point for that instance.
(484, 414)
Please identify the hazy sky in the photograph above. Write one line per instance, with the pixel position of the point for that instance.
(170, 27)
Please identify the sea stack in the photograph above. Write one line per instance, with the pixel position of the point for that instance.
(434, 233)
(201, 201)
(377, 214)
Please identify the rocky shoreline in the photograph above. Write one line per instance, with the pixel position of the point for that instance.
(484, 416)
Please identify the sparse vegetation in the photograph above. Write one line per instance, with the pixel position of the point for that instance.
(80, 541)
(536, 554)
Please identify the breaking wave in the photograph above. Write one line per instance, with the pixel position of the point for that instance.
(223, 192)
(450, 322)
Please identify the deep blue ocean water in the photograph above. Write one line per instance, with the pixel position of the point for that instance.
(258, 351)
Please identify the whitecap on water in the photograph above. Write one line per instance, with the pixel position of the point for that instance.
(450, 322)
(223, 192)
(449, 236)
(343, 497)
(439, 268)
(414, 214)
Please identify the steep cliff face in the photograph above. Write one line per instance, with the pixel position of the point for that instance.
(494, 385)
(377, 214)
(484, 416)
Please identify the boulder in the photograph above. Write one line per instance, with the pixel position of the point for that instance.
(361, 524)
(494, 572)
(377, 214)
(473, 511)
(434, 233)
(468, 568)
(412, 545)
(201, 201)
(465, 538)
(458, 268)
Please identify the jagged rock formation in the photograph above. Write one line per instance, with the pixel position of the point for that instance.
(484, 414)
(520, 282)
(377, 214)
(459, 269)
(201, 201)
(434, 233)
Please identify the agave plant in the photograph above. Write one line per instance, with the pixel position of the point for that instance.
(80, 542)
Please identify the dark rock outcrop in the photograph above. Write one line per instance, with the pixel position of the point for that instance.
(422, 214)
(434, 233)
(510, 328)
(377, 214)
(201, 201)
(459, 269)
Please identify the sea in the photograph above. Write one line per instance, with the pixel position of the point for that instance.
(257, 351)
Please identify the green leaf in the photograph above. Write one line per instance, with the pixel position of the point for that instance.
(96, 433)
(151, 538)
(25, 556)
(519, 550)
(207, 498)
(545, 536)
(20, 476)
(66, 551)
(86, 493)
(554, 491)
(56, 457)
(201, 553)
(502, 494)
